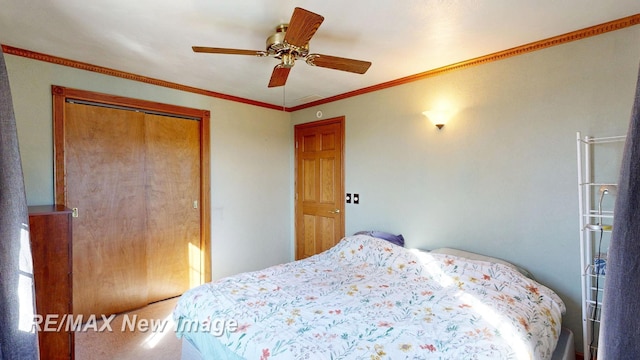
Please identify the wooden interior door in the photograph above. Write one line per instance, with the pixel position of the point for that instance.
(173, 201)
(319, 186)
(105, 181)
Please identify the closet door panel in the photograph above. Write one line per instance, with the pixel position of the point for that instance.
(104, 150)
(173, 198)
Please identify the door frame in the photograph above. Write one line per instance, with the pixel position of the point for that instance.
(62, 94)
(340, 188)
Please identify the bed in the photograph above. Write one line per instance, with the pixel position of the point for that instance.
(367, 298)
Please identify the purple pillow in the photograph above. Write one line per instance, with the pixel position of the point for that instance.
(394, 239)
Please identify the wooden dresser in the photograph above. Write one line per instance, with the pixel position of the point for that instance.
(50, 232)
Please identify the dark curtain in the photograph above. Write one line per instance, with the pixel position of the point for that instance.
(621, 303)
(17, 337)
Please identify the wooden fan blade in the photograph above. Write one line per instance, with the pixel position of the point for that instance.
(338, 63)
(302, 26)
(279, 76)
(213, 50)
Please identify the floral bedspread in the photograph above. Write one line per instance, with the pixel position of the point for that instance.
(366, 298)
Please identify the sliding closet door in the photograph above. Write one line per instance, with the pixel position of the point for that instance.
(141, 185)
(105, 181)
(173, 201)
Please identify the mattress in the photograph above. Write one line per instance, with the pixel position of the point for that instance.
(367, 298)
(565, 348)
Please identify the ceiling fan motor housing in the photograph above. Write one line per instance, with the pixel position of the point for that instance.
(276, 46)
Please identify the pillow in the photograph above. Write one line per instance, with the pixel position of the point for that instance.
(394, 239)
(474, 256)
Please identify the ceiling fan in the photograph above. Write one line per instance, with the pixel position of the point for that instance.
(290, 43)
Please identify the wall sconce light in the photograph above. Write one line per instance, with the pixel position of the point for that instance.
(438, 117)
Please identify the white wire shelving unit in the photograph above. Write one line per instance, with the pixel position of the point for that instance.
(595, 229)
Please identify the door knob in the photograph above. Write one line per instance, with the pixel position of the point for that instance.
(336, 211)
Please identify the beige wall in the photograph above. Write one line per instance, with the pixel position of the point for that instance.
(501, 177)
(250, 159)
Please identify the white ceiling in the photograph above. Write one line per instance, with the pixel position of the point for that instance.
(153, 38)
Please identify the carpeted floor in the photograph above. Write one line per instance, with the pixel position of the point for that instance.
(153, 336)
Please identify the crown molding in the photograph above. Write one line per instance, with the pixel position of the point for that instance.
(501, 55)
(519, 50)
(126, 75)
